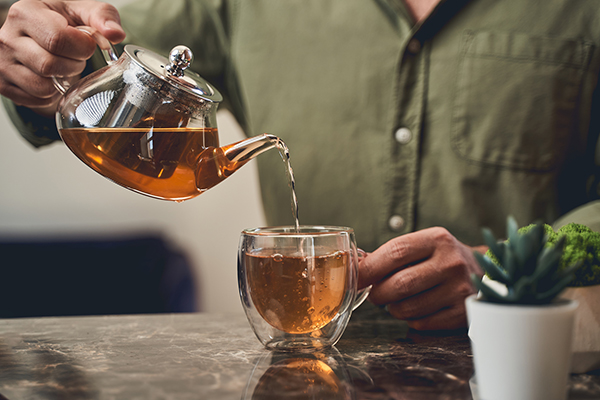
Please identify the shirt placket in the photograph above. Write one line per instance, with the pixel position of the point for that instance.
(406, 136)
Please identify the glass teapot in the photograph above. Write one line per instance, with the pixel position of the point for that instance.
(148, 124)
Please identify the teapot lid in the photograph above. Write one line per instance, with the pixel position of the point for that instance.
(175, 70)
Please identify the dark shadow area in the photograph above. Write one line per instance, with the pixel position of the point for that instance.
(94, 277)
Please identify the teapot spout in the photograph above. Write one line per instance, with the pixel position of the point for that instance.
(220, 163)
(245, 150)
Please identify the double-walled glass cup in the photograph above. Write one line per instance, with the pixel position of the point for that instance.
(299, 287)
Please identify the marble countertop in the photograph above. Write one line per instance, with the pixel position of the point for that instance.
(209, 356)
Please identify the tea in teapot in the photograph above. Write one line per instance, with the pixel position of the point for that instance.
(167, 163)
(152, 161)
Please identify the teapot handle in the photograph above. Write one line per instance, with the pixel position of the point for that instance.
(107, 49)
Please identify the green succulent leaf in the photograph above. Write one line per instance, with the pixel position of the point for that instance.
(489, 293)
(547, 296)
(548, 263)
(512, 229)
(523, 248)
(494, 271)
(496, 247)
(538, 234)
(511, 265)
(528, 263)
(522, 288)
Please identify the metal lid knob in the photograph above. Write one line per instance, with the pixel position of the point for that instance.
(180, 58)
(173, 70)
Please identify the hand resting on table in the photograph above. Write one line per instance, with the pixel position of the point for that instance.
(423, 278)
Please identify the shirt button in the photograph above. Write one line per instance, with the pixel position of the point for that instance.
(396, 223)
(403, 135)
(414, 46)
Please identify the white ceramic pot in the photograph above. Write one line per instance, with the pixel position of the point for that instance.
(586, 336)
(521, 352)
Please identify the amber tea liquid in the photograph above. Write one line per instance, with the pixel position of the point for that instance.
(297, 294)
(167, 163)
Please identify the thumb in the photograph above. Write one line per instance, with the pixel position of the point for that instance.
(101, 16)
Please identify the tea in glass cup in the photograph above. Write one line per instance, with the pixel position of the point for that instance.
(299, 286)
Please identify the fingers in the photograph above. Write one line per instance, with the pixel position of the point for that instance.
(28, 83)
(423, 277)
(38, 86)
(454, 317)
(39, 39)
(406, 283)
(395, 255)
(101, 16)
(48, 29)
(52, 25)
(44, 63)
(22, 98)
(434, 300)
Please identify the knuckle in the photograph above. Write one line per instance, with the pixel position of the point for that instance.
(55, 42)
(464, 290)
(399, 249)
(16, 11)
(402, 283)
(455, 264)
(45, 89)
(404, 310)
(6, 49)
(48, 66)
(442, 235)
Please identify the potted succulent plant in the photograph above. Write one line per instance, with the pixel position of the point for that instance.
(521, 332)
(581, 247)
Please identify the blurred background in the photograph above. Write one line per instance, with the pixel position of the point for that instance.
(72, 242)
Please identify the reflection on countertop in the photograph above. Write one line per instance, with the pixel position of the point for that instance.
(213, 356)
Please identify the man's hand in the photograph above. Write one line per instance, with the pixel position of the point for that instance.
(423, 278)
(39, 40)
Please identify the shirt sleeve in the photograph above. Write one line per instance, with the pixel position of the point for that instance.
(36, 129)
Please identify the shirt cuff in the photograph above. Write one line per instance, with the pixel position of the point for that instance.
(36, 129)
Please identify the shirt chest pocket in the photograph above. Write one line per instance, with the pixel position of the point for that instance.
(516, 98)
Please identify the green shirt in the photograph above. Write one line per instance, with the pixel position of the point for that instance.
(485, 109)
